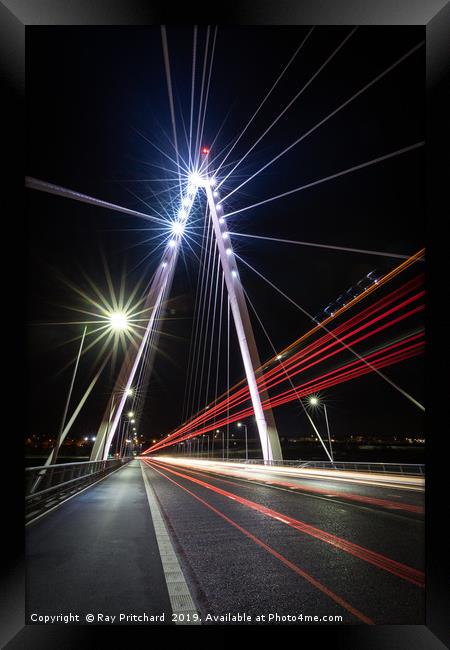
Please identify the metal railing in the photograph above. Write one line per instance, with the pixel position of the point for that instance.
(411, 469)
(47, 485)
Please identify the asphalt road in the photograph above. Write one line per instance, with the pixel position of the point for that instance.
(271, 549)
(260, 546)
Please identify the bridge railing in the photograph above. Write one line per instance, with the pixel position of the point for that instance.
(411, 469)
(47, 485)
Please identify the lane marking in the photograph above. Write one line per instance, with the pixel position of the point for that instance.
(180, 597)
(296, 569)
(415, 576)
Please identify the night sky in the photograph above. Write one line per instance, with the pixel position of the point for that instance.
(90, 92)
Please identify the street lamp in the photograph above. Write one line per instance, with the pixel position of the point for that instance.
(246, 445)
(118, 321)
(314, 401)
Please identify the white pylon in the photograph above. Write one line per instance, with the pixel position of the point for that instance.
(270, 442)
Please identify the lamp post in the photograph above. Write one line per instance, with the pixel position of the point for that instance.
(314, 401)
(246, 442)
(58, 441)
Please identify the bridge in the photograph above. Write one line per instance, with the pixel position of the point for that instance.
(216, 520)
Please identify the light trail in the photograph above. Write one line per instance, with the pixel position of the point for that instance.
(329, 116)
(295, 568)
(327, 246)
(298, 392)
(50, 188)
(382, 562)
(326, 380)
(339, 47)
(375, 287)
(370, 311)
(288, 377)
(216, 469)
(380, 374)
(343, 172)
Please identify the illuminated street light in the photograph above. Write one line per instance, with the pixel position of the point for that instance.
(240, 425)
(129, 392)
(118, 321)
(130, 414)
(314, 401)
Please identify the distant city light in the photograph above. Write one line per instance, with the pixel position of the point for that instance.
(229, 251)
(129, 392)
(172, 243)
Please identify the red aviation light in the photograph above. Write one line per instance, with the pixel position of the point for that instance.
(205, 151)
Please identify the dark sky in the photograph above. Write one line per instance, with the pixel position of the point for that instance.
(90, 90)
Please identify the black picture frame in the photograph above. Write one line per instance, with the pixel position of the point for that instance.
(15, 16)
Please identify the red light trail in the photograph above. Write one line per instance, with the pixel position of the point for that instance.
(383, 562)
(294, 567)
(383, 314)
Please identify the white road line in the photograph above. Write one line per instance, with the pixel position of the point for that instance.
(179, 594)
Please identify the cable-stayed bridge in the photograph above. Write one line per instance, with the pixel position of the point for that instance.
(208, 520)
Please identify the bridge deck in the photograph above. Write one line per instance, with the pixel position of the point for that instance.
(98, 552)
